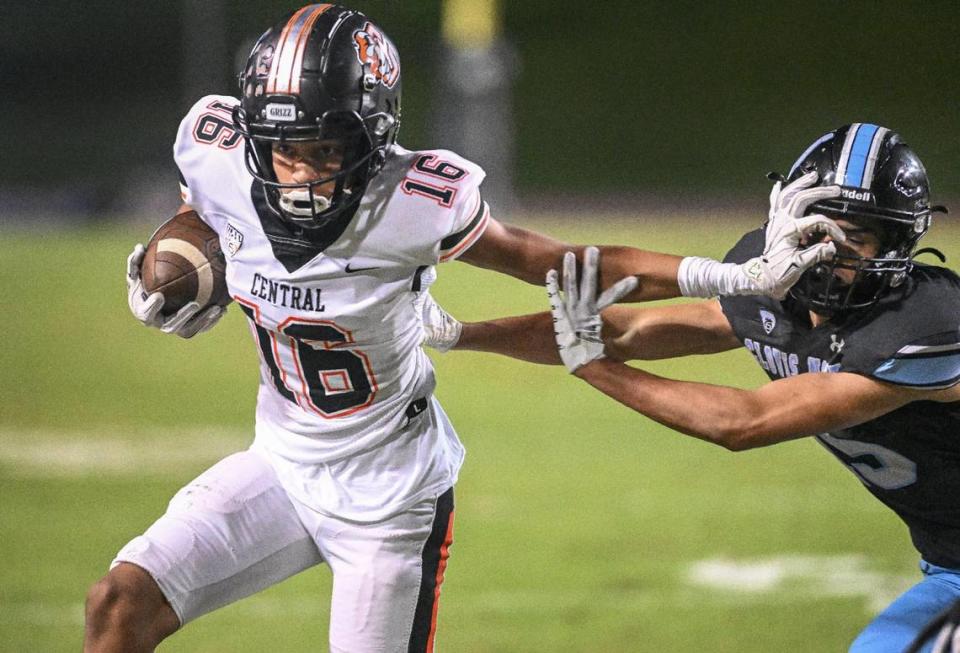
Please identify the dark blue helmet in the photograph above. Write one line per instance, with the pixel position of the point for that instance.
(883, 187)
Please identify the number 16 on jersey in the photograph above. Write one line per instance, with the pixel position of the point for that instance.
(310, 364)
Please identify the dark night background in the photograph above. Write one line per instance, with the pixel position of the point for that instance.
(633, 101)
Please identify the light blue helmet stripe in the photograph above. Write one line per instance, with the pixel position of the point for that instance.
(817, 143)
(859, 151)
(858, 157)
(871, 166)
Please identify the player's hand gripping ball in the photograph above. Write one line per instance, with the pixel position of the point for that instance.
(184, 262)
(178, 283)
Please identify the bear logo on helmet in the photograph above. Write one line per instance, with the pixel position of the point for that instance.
(376, 51)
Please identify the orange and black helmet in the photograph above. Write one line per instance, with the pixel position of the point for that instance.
(324, 72)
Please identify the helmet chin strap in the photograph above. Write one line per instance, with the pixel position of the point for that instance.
(298, 203)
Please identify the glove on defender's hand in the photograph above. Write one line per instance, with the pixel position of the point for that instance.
(576, 313)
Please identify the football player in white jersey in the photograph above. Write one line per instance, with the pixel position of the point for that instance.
(331, 232)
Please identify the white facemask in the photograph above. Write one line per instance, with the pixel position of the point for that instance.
(296, 202)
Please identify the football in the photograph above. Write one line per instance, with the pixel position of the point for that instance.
(184, 262)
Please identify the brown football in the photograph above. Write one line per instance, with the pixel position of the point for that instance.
(184, 262)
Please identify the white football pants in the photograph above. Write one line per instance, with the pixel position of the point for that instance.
(234, 531)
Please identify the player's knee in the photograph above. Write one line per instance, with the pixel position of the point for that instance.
(128, 600)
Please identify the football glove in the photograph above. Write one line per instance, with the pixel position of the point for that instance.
(186, 323)
(441, 331)
(783, 259)
(576, 313)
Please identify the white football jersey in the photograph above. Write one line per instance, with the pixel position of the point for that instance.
(337, 332)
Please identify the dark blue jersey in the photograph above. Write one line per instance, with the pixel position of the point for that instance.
(908, 458)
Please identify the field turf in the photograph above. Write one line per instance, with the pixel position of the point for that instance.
(580, 526)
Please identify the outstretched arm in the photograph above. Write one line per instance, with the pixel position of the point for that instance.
(525, 337)
(733, 418)
(529, 255)
(630, 333)
(659, 333)
(744, 419)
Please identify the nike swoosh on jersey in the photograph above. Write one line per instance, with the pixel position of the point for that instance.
(350, 270)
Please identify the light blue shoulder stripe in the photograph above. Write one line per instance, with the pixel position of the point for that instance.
(925, 372)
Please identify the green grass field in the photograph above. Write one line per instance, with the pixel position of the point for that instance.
(580, 526)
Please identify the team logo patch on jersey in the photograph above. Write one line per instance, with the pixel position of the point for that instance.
(234, 240)
(769, 321)
(374, 50)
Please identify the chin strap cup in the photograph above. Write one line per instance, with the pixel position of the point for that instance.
(301, 203)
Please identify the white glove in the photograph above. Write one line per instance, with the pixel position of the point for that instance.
(186, 323)
(576, 314)
(783, 260)
(441, 331)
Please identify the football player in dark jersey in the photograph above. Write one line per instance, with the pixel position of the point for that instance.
(864, 354)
